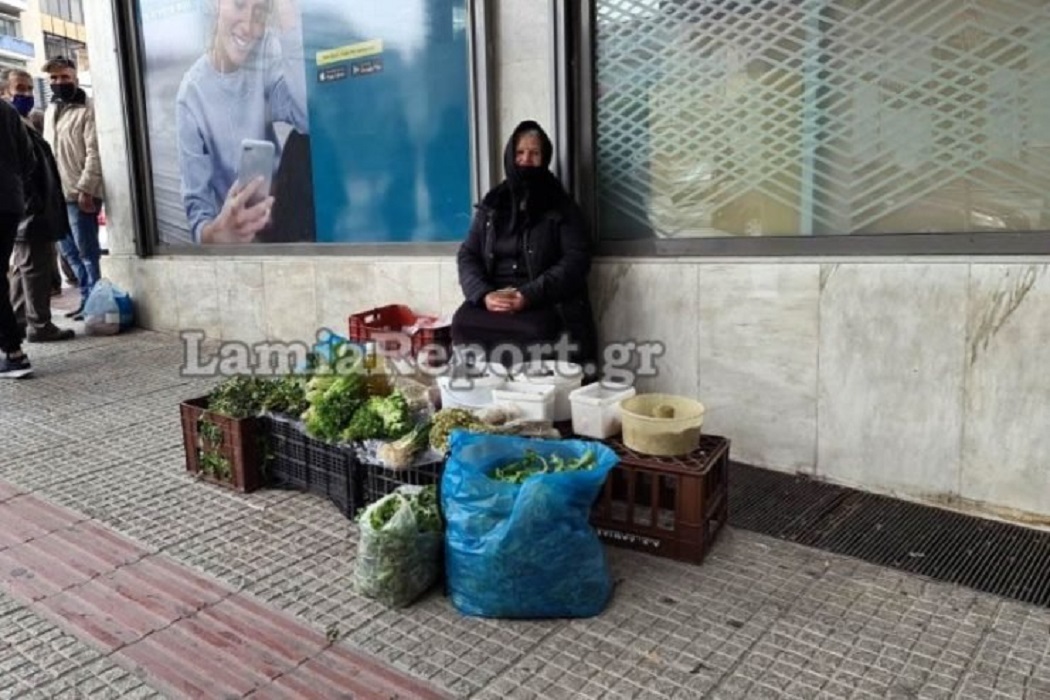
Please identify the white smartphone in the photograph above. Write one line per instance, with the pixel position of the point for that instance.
(257, 160)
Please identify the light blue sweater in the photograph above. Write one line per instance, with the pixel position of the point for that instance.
(215, 111)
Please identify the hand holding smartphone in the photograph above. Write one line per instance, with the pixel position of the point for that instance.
(257, 161)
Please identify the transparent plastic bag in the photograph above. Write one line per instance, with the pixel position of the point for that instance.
(396, 563)
(108, 310)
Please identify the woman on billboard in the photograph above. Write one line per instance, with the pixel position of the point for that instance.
(250, 78)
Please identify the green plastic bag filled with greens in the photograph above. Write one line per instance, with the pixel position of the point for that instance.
(399, 551)
(518, 541)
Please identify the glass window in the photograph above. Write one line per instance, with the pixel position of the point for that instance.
(350, 122)
(70, 10)
(817, 117)
(55, 45)
(10, 26)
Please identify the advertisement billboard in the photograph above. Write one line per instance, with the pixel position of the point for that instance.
(307, 121)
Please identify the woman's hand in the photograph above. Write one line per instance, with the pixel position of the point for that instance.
(504, 301)
(238, 222)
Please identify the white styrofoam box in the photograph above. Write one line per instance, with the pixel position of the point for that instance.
(471, 392)
(596, 409)
(531, 401)
(563, 376)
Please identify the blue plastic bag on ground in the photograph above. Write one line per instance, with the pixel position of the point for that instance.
(108, 309)
(528, 550)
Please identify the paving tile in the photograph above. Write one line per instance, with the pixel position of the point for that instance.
(99, 433)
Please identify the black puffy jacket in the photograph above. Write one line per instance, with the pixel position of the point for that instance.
(16, 161)
(46, 218)
(555, 247)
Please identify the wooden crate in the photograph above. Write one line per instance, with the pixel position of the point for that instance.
(668, 506)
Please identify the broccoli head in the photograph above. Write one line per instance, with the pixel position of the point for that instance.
(394, 410)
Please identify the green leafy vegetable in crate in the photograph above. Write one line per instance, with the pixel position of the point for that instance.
(243, 396)
(380, 418)
(400, 453)
(400, 548)
(333, 402)
(533, 463)
(448, 419)
(286, 395)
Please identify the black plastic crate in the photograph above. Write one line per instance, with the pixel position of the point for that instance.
(378, 481)
(298, 461)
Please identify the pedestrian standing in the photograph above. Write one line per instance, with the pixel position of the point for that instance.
(69, 127)
(16, 168)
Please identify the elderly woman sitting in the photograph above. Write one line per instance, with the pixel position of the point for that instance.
(523, 267)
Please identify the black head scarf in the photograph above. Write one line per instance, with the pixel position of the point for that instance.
(533, 190)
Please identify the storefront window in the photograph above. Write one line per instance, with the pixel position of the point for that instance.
(820, 117)
(307, 121)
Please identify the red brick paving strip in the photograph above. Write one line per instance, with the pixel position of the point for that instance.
(191, 635)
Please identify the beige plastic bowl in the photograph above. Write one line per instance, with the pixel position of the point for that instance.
(675, 432)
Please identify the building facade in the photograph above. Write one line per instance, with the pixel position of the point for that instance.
(838, 238)
(17, 26)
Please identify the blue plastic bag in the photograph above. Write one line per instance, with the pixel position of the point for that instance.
(108, 309)
(528, 550)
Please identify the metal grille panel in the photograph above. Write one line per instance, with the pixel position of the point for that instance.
(993, 557)
(823, 116)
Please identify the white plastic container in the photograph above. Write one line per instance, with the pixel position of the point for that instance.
(531, 401)
(596, 409)
(471, 390)
(565, 377)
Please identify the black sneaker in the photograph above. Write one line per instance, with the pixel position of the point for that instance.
(79, 311)
(50, 334)
(15, 369)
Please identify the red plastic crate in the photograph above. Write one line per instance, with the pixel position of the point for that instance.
(669, 506)
(386, 327)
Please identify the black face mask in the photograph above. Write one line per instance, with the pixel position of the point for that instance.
(530, 174)
(63, 92)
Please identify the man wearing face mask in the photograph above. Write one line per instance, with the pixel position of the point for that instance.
(69, 127)
(45, 221)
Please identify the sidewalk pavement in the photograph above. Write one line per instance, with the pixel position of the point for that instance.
(122, 576)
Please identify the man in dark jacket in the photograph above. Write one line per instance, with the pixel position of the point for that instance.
(45, 223)
(17, 163)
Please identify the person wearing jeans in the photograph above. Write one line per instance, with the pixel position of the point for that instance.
(81, 248)
(69, 127)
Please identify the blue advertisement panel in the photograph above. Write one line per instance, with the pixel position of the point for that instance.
(277, 121)
(387, 96)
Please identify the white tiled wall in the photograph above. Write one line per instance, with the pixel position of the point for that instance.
(925, 379)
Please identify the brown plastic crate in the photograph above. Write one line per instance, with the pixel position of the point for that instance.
(669, 506)
(240, 446)
(384, 325)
